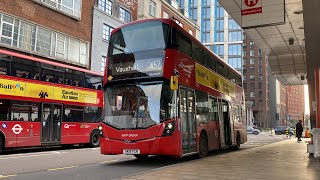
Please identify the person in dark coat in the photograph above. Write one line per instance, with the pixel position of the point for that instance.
(299, 130)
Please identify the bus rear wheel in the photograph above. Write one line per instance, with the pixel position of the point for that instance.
(1, 143)
(238, 142)
(95, 139)
(141, 157)
(203, 146)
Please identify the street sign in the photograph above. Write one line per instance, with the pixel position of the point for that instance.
(260, 13)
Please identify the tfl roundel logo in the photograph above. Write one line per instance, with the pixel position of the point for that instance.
(251, 3)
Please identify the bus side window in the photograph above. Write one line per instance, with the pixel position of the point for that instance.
(24, 68)
(92, 114)
(74, 78)
(4, 110)
(202, 107)
(24, 111)
(5, 65)
(214, 116)
(73, 114)
(93, 81)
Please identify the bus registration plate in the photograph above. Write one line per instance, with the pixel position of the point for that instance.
(131, 151)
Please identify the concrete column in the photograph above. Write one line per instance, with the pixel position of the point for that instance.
(317, 95)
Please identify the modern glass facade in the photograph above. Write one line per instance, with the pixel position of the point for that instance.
(219, 32)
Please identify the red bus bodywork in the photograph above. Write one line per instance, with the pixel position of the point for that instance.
(151, 141)
(22, 133)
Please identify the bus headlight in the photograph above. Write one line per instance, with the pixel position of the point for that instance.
(100, 130)
(168, 129)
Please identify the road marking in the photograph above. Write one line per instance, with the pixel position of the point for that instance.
(6, 176)
(32, 155)
(115, 160)
(62, 168)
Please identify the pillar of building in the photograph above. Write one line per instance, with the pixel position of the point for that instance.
(317, 96)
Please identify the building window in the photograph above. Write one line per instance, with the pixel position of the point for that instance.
(251, 44)
(252, 94)
(193, 10)
(252, 77)
(251, 52)
(70, 7)
(260, 60)
(206, 31)
(251, 61)
(125, 15)
(220, 37)
(244, 45)
(260, 77)
(252, 70)
(30, 37)
(152, 8)
(252, 87)
(235, 36)
(260, 69)
(233, 25)
(244, 62)
(220, 25)
(219, 50)
(106, 31)
(260, 85)
(235, 49)
(220, 13)
(165, 15)
(103, 63)
(259, 52)
(244, 53)
(106, 6)
(235, 62)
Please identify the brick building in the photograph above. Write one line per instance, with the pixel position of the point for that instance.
(256, 82)
(55, 30)
(295, 103)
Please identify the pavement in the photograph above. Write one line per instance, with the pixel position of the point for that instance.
(286, 159)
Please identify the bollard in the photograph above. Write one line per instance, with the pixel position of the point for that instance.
(287, 132)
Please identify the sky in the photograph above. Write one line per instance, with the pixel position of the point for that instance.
(306, 100)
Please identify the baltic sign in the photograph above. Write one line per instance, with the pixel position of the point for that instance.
(259, 13)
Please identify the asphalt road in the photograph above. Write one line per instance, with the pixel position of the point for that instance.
(89, 164)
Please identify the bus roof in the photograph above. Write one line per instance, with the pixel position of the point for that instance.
(169, 22)
(10, 53)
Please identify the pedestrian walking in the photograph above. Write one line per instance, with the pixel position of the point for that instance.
(299, 130)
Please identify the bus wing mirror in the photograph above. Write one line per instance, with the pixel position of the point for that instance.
(174, 83)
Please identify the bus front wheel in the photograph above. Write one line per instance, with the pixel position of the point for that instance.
(141, 157)
(95, 139)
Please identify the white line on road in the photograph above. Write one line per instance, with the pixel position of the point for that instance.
(6, 176)
(109, 161)
(32, 155)
(62, 168)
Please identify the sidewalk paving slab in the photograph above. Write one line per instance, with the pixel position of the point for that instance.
(281, 160)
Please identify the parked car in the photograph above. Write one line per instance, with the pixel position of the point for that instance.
(280, 130)
(251, 130)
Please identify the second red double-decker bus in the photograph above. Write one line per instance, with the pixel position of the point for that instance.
(47, 103)
(167, 94)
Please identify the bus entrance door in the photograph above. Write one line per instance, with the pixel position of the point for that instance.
(221, 124)
(51, 123)
(187, 114)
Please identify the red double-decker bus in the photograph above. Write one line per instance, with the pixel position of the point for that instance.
(167, 94)
(47, 103)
